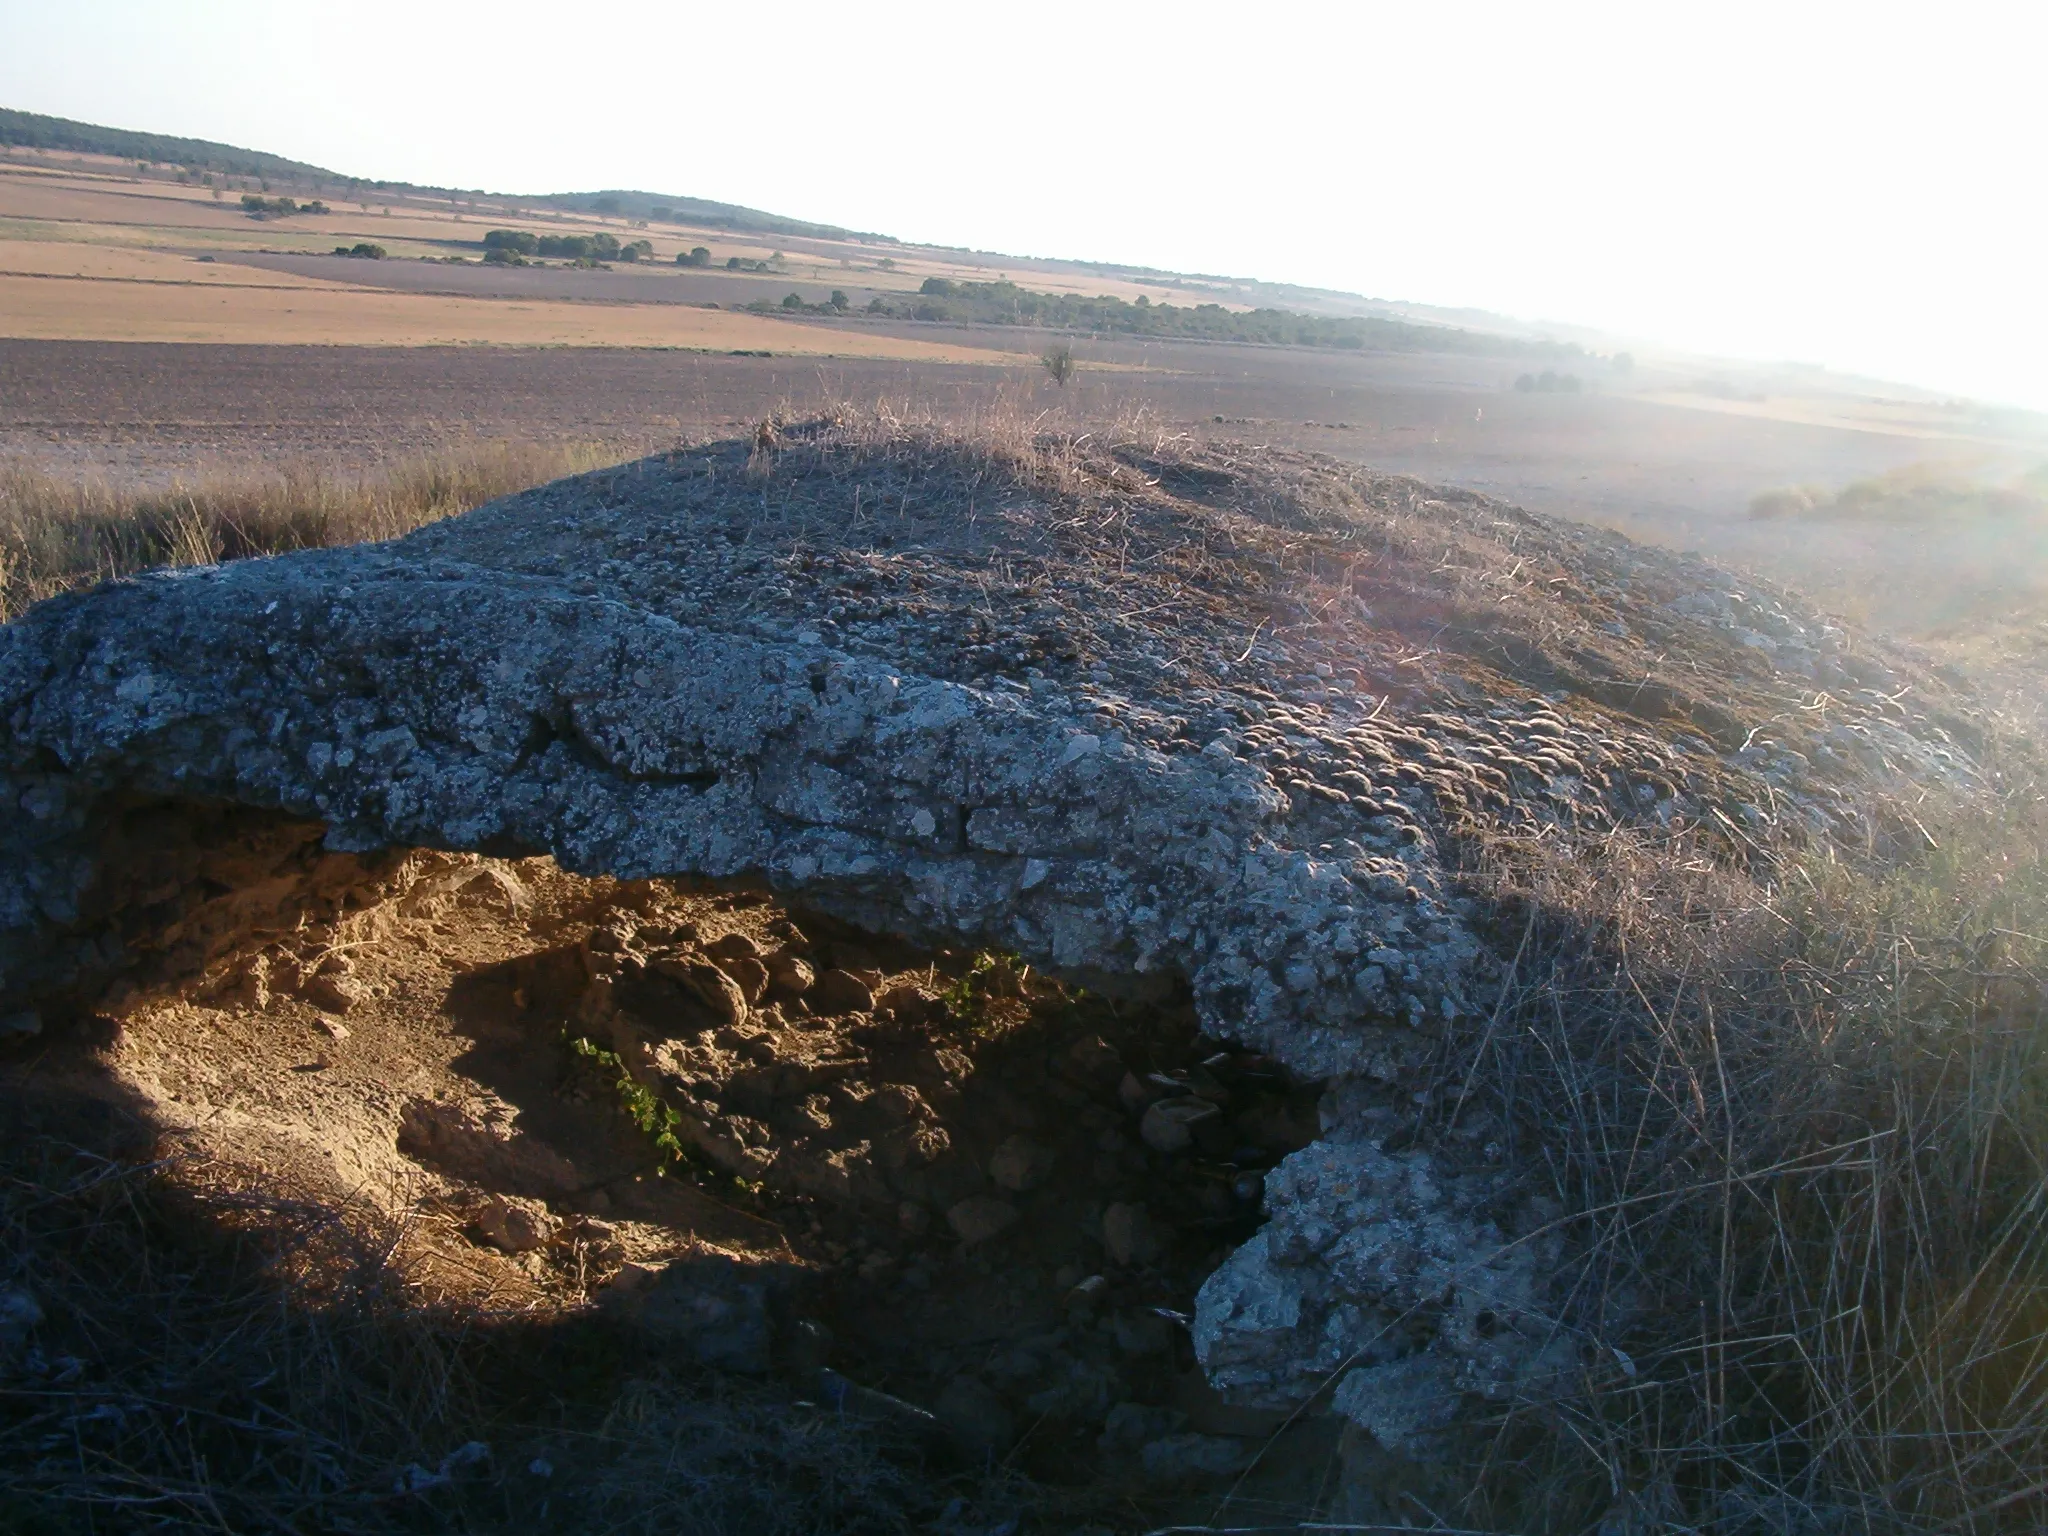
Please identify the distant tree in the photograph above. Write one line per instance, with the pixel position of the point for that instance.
(639, 250)
(886, 264)
(695, 256)
(658, 211)
(732, 263)
(605, 204)
(793, 301)
(1058, 362)
(518, 241)
(839, 300)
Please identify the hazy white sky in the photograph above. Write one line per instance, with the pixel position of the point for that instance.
(1854, 184)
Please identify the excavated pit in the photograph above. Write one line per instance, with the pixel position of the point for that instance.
(769, 1141)
(1202, 731)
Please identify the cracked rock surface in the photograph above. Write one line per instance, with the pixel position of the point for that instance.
(1150, 716)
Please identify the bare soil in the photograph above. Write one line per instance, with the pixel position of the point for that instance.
(423, 1051)
(1659, 464)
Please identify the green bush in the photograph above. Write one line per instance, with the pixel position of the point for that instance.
(695, 256)
(259, 207)
(518, 241)
(598, 247)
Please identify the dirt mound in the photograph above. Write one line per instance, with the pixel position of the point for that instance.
(1169, 722)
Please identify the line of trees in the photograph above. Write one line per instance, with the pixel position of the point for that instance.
(1004, 303)
(511, 247)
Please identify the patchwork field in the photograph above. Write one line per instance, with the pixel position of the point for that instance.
(315, 313)
(152, 330)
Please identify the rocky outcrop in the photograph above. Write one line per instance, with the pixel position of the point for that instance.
(1150, 719)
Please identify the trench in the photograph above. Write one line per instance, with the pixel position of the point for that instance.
(934, 1187)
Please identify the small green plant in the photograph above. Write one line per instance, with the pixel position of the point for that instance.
(656, 1119)
(992, 975)
(1058, 362)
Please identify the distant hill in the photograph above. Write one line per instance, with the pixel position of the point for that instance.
(34, 131)
(662, 209)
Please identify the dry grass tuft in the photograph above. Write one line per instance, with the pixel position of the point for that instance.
(57, 535)
(1801, 1120)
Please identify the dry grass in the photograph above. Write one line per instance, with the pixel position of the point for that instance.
(1800, 1115)
(57, 535)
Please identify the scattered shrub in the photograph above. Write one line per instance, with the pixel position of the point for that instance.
(518, 241)
(695, 256)
(258, 207)
(364, 250)
(1549, 383)
(1913, 493)
(1058, 362)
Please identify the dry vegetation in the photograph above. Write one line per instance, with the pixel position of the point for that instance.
(56, 535)
(1796, 1103)
(1798, 1111)
(1929, 494)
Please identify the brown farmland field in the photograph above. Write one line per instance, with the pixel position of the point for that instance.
(62, 309)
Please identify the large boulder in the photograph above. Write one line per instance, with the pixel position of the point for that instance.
(1149, 715)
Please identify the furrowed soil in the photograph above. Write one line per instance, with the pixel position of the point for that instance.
(1657, 463)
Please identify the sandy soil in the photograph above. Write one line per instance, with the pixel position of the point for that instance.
(415, 1054)
(71, 309)
(82, 259)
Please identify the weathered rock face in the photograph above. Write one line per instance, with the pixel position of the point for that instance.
(1147, 718)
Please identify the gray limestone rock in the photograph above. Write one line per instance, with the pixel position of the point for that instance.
(1150, 717)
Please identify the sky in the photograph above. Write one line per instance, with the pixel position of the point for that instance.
(1856, 185)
